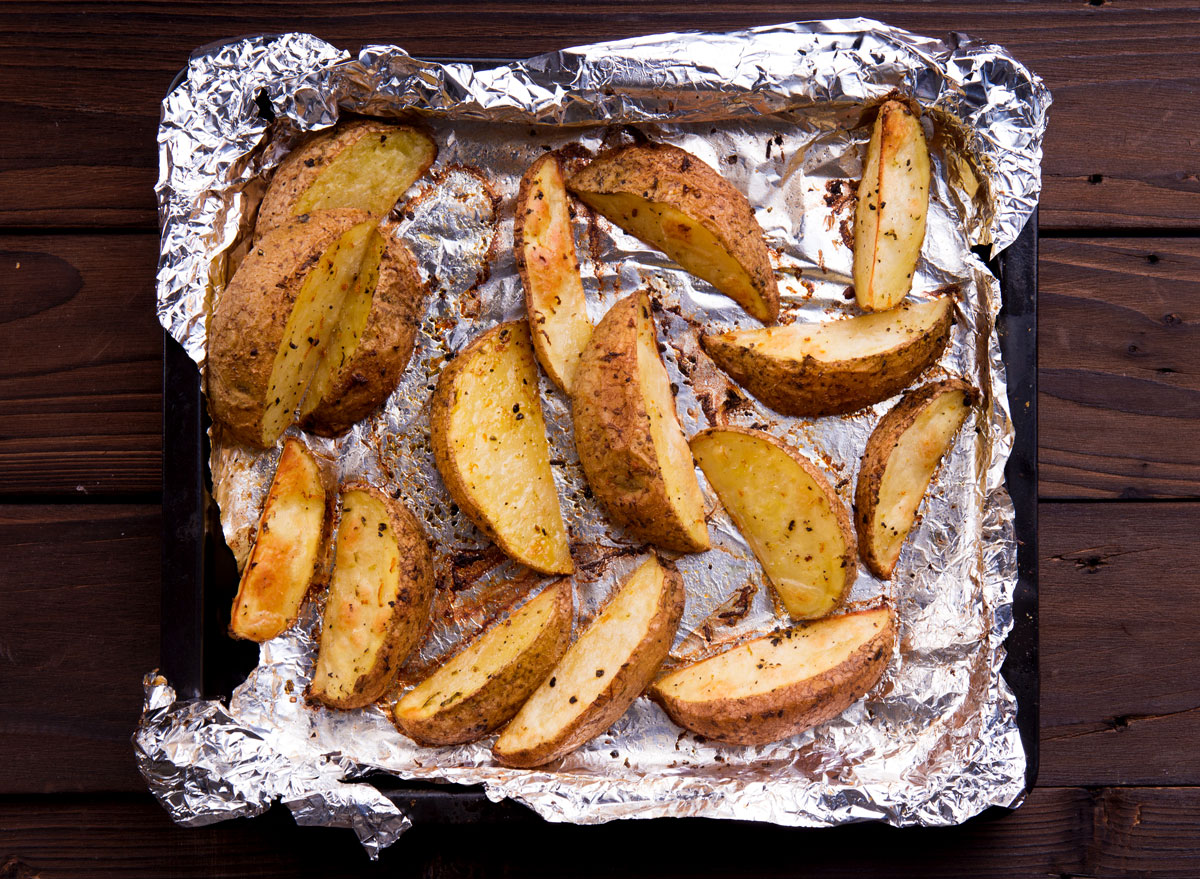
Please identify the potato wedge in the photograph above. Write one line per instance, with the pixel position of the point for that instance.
(837, 367)
(544, 247)
(783, 683)
(602, 672)
(898, 464)
(630, 444)
(893, 199)
(273, 323)
(482, 687)
(379, 599)
(371, 346)
(489, 444)
(673, 201)
(795, 523)
(364, 165)
(289, 550)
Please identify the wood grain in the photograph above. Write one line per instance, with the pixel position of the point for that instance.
(81, 371)
(80, 605)
(94, 74)
(1119, 368)
(1059, 832)
(1119, 606)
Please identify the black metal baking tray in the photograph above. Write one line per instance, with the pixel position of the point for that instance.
(200, 575)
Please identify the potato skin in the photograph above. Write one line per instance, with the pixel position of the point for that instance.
(409, 617)
(385, 348)
(811, 388)
(875, 458)
(612, 432)
(251, 315)
(666, 174)
(785, 711)
(625, 686)
(501, 697)
(301, 167)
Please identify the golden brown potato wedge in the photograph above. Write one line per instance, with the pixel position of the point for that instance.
(795, 523)
(836, 367)
(273, 323)
(898, 464)
(673, 201)
(364, 165)
(544, 247)
(379, 599)
(480, 688)
(893, 199)
(489, 443)
(373, 341)
(602, 672)
(630, 444)
(783, 683)
(289, 550)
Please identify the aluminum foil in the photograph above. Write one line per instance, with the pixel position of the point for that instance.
(779, 111)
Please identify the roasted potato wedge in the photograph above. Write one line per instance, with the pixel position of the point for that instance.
(373, 340)
(898, 464)
(379, 599)
(273, 323)
(602, 672)
(544, 247)
(795, 523)
(480, 688)
(671, 200)
(289, 550)
(630, 444)
(783, 683)
(489, 443)
(363, 165)
(836, 367)
(893, 199)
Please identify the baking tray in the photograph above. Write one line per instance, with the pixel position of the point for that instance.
(200, 574)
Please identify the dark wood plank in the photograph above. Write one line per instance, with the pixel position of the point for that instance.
(1058, 832)
(1119, 608)
(80, 605)
(131, 837)
(81, 375)
(91, 73)
(1119, 368)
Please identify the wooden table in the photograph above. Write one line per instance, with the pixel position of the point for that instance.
(80, 461)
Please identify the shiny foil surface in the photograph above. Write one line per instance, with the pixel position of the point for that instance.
(779, 112)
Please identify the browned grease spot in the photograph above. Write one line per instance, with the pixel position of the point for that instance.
(712, 635)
